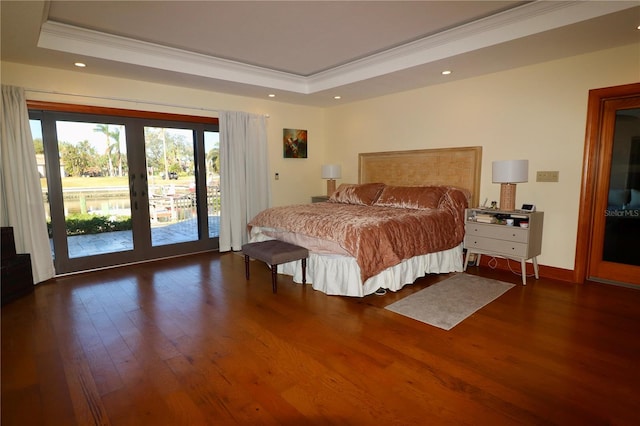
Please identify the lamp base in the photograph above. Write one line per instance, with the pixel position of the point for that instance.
(331, 187)
(507, 196)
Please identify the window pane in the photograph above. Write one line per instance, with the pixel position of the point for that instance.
(622, 228)
(212, 161)
(95, 187)
(171, 177)
(36, 133)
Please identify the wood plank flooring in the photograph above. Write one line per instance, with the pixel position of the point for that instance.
(188, 341)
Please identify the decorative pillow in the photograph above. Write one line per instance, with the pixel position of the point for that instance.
(411, 197)
(365, 194)
(619, 197)
(635, 199)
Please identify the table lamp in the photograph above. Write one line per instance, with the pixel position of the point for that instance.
(507, 174)
(331, 172)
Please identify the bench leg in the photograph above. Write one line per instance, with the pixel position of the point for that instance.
(246, 266)
(274, 278)
(304, 271)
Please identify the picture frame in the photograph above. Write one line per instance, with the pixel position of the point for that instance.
(294, 143)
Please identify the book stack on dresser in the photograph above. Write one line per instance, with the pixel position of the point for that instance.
(485, 218)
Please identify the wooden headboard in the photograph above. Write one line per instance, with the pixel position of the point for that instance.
(458, 167)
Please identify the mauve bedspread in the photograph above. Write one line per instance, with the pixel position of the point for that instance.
(377, 237)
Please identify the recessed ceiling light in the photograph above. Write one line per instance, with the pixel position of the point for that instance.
(337, 97)
(446, 72)
(80, 64)
(272, 95)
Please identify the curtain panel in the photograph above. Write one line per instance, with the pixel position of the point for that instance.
(21, 204)
(245, 188)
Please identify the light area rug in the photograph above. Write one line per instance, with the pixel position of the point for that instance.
(447, 303)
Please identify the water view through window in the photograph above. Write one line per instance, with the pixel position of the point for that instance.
(116, 192)
(93, 171)
(171, 183)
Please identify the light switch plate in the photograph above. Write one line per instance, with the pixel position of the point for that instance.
(547, 176)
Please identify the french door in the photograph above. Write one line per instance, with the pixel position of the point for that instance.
(613, 159)
(122, 187)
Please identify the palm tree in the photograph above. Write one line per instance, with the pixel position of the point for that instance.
(115, 134)
(104, 128)
(213, 160)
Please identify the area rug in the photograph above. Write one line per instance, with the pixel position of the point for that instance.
(447, 303)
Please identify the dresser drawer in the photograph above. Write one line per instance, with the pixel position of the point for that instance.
(499, 232)
(499, 247)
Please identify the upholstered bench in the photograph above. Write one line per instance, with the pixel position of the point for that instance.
(275, 252)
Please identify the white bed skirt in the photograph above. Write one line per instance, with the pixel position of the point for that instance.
(336, 274)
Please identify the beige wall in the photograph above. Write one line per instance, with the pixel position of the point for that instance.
(536, 113)
(299, 178)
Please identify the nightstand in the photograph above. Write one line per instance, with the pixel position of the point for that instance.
(319, 198)
(487, 232)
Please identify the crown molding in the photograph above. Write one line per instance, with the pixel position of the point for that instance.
(523, 21)
(81, 41)
(529, 19)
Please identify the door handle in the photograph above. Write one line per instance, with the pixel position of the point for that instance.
(133, 186)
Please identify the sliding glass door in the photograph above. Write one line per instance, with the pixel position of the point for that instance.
(121, 189)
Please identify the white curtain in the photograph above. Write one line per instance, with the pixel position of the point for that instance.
(21, 205)
(245, 188)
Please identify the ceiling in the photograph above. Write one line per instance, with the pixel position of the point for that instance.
(308, 52)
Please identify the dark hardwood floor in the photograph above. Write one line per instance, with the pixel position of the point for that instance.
(188, 341)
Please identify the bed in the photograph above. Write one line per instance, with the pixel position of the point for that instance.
(402, 220)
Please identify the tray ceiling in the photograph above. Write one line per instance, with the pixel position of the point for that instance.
(307, 52)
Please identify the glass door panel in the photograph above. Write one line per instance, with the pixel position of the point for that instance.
(614, 256)
(622, 222)
(93, 171)
(171, 178)
(212, 164)
(38, 145)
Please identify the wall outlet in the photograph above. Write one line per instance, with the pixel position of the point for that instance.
(547, 176)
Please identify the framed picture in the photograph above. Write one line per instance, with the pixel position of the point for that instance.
(294, 143)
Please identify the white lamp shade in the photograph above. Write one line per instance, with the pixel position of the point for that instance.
(510, 171)
(331, 171)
